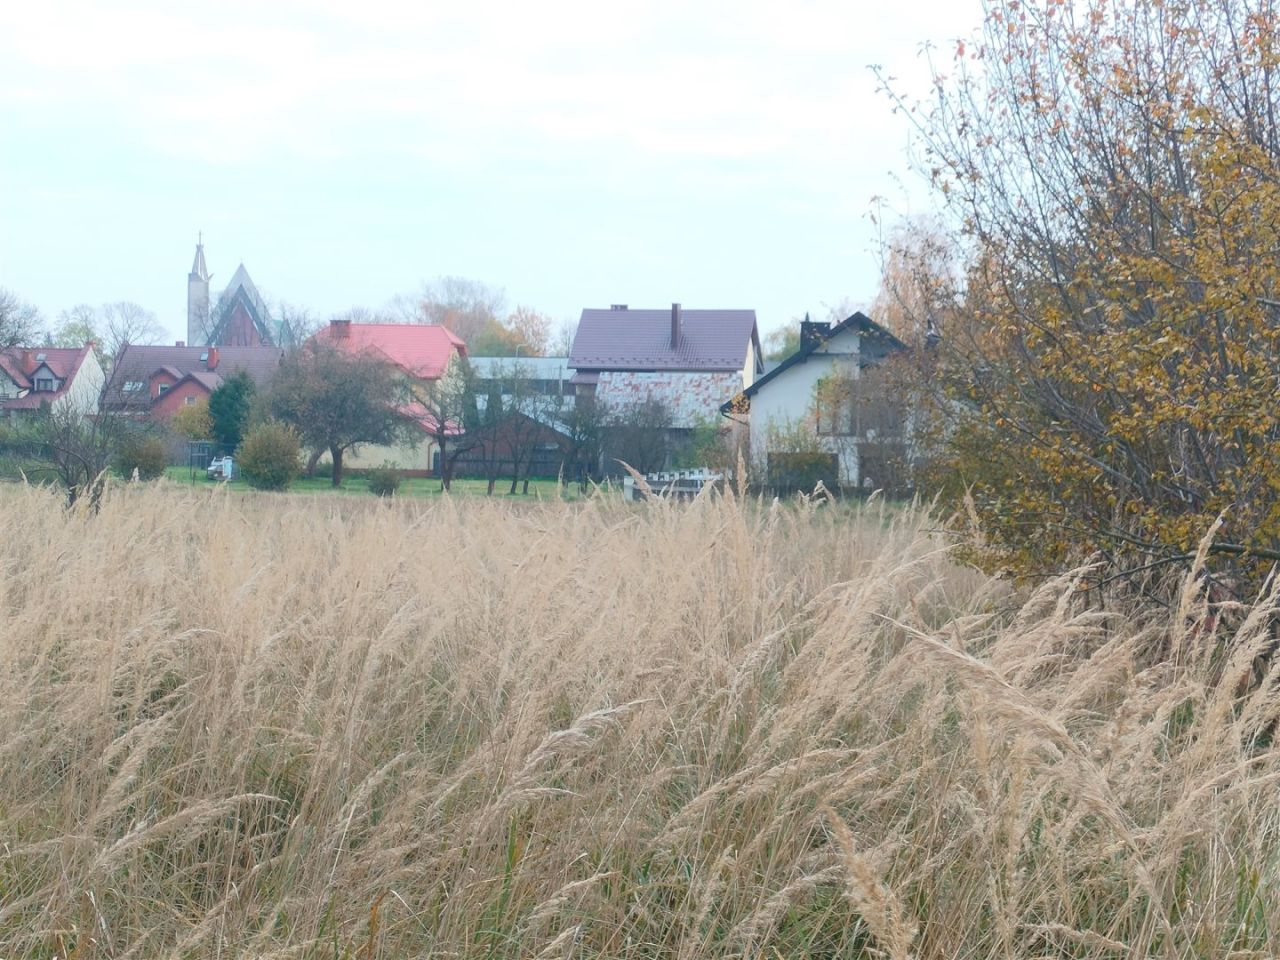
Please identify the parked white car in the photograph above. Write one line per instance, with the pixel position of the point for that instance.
(221, 468)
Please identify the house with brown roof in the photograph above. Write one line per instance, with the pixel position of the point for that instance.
(688, 361)
(156, 381)
(61, 378)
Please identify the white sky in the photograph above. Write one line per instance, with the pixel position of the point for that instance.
(576, 154)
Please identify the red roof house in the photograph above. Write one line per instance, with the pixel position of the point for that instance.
(422, 351)
(31, 377)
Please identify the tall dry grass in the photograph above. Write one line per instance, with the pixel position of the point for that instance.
(290, 727)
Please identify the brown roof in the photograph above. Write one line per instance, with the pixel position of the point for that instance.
(141, 362)
(625, 339)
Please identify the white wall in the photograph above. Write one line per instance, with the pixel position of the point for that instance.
(405, 457)
(86, 387)
(8, 389)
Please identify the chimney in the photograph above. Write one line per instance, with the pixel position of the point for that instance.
(675, 326)
(212, 362)
(812, 332)
(179, 343)
(340, 329)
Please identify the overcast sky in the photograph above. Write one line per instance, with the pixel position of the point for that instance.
(574, 154)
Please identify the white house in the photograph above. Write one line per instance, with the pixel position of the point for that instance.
(59, 377)
(811, 398)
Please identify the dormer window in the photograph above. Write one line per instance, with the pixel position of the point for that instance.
(44, 385)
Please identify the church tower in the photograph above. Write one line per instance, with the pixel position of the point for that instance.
(198, 299)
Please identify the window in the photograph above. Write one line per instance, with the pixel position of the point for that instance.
(191, 401)
(132, 386)
(835, 407)
(163, 388)
(44, 385)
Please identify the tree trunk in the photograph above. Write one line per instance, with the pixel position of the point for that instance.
(310, 470)
(336, 453)
(444, 464)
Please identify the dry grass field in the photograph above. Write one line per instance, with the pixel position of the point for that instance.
(289, 726)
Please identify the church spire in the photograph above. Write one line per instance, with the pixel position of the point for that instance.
(198, 298)
(198, 270)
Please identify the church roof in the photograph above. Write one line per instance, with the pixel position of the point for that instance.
(240, 290)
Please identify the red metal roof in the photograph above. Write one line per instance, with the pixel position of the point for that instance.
(421, 350)
(418, 413)
(641, 340)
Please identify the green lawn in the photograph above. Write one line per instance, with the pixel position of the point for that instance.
(409, 487)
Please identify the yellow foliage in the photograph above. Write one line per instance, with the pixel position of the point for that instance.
(1114, 369)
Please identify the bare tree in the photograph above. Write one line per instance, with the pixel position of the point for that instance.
(467, 307)
(584, 421)
(19, 320)
(637, 435)
(296, 324)
(447, 405)
(529, 414)
(123, 323)
(74, 447)
(560, 343)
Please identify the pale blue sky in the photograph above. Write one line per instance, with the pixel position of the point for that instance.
(573, 153)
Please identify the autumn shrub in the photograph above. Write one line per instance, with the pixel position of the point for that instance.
(193, 421)
(384, 480)
(147, 455)
(1108, 362)
(268, 457)
(796, 459)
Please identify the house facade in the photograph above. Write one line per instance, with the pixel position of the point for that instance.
(61, 378)
(683, 363)
(820, 398)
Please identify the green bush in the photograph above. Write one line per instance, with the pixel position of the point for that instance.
(384, 480)
(268, 457)
(146, 455)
